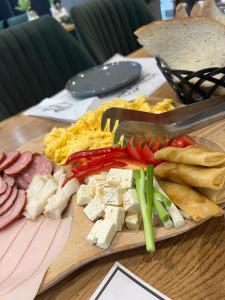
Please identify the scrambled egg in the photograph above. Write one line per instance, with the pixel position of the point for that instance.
(86, 132)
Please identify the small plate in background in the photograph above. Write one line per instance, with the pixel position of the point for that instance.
(103, 79)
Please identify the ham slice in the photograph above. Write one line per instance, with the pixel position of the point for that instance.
(15, 212)
(11, 157)
(3, 186)
(9, 202)
(20, 164)
(6, 195)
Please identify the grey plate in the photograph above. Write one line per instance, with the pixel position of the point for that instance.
(103, 79)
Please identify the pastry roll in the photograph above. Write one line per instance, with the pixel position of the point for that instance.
(190, 201)
(216, 196)
(196, 176)
(191, 156)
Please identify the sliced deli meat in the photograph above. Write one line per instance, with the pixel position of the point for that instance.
(20, 164)
(9, 202)
(15, 212)
(11, 157)
(2, 156)
(22, 183)
(9, 180)
(6, 195)
(41, 165)
(3, 186)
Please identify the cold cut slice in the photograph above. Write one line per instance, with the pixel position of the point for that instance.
(3, 186)
(9, 180)
(6, 195)
(15, 212)
(2, 156)
(22, 183)
(20, 164)
(41, 165)
(9, 202)
(11, 157)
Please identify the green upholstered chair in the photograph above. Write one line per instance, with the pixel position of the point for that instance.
(17, 20)
(1, 25)
(106, 27)
(36, 60)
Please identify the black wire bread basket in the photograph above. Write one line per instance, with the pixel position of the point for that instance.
(193, 86)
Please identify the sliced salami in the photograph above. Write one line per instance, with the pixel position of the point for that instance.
(2, 156)
(15, 212)
(11, 157)
(22, 183)
(20, 164)
(41, 165)
(9, 180)
(9, 202)
(3, 186)
(6, 195)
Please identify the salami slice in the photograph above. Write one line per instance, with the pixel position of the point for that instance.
(3, 186)
(20, 164)
(22, 183)
(6, 195)
(2, 156)
(11, 157)
(15, 212)
(9, 180)
(41, 165)
(9, 202)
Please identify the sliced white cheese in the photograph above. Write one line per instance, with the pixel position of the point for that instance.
(114, 177)
(35, 207)
(55, 206)
(133, 221)
(127, 178)
(116, 215)
(95, 209)
(113, 196)
(84, 194)
(130, 201)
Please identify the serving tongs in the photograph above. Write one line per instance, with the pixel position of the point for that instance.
(117, 115)
(162, 131)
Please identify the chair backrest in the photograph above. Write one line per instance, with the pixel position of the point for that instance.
(36, 60)
(1, 25)
(17, 20)
(106, 27)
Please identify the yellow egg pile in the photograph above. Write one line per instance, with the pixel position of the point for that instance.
(86, 132)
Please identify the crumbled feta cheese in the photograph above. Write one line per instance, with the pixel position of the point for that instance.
(84, 194)
(116, 215)
(94, 209)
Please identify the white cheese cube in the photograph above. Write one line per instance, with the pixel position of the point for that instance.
(106, 234)
(97, 183)
(113, 196)
(130, 201)
(114, 177)
(116, 215)
(127, 178)
(84, 194)
(92, 236)
(95, 209)
(133, 220)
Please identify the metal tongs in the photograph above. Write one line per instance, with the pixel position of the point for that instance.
(161, 130)
(118, 115)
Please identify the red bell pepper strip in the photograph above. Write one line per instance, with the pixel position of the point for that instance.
(96, 169)
(89, 153)
(112, 155)
(139, 145)
(156, 145)
(131, 151)
(148, 156)
(182, 141)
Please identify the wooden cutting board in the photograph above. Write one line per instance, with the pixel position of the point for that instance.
(79, 252)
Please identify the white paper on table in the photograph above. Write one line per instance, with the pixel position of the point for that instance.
(122, 284)
(63, 107)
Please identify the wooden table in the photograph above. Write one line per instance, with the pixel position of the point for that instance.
(189, 266)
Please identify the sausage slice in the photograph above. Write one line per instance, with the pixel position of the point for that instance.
(3, 186)
(20, 164)
(2, 156)
(9, 202)
(15, 212)
(11, 157)
(6, 195)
